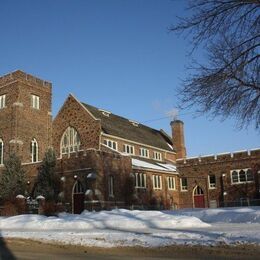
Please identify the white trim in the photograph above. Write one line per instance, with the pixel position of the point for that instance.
(131, 147)
(155, 156)
(211, 187)
(2, 101)
(71, 134)
(238, 175)
(181, 186)
(173, 182)
(34, 145)
(143, 152)
(29, 163)
(142, 180)
(153, 170)
(112, 142)
(141, 144)
(35, 101)
(2, 152)
(158, 179)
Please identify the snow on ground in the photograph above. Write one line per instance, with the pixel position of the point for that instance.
(140, 228)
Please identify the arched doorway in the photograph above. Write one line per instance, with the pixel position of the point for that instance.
(78, 197)
(198, 197)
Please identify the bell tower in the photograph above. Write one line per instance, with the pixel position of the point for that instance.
(25, 116)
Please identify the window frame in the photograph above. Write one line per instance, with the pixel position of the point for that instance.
(1, 152)
(107, 141)
(144, 152)
(184, 187)
(140, 180)
(157, 156)
(34, 151)
(212, 186)
(129, 147)
(35, 101)
(2, 101)
(171, 183)
(73, 141)
(238, 172)
(111, 186)
(157, 182)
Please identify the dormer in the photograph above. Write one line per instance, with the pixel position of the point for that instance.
(105, 112)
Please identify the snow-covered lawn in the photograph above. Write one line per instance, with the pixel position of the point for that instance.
(140, 228)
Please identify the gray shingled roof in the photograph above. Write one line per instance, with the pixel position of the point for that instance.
(121, 127)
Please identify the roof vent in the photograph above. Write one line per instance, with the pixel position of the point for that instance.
(105, 112)
(134, 123)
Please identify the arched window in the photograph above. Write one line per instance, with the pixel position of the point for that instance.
(70, 141)
(34, 150)
(198, 191)
(1, 152)
(78, 188)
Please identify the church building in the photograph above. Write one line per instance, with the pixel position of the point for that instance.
(105, 160)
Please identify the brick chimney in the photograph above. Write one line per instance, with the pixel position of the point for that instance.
(178, 138)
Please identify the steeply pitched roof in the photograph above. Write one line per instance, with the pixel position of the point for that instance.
(121, 127)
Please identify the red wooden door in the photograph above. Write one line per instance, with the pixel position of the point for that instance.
(78, 203)
(199, 201)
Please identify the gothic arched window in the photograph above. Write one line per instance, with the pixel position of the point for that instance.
(70, 141)
(1, 152)
(34, 150)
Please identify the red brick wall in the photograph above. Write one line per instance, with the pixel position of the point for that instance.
(197, 170)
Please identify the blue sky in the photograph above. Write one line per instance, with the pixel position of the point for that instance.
(113, 54)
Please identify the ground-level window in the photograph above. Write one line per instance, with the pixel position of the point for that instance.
(111, 186)
(144, 152)
(241, 176)
(212, 181)
(34, 150)
(129, 149)
(1, 152)
(70, 141)
(171, 183)
(2, 101)
(157, 182)
(184, 184)
(110, 143)
(140, 180)
(157, 156)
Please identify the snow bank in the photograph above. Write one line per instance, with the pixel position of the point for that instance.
(116, 219)
(140, 228)
(226, 215)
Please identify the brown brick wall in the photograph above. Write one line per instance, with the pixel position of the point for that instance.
(19, 121)
(74, 115)
(101, 163)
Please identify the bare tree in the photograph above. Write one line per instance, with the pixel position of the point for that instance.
(228, 84)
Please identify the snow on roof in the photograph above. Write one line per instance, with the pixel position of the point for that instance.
(154, 166)
(168, 166)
